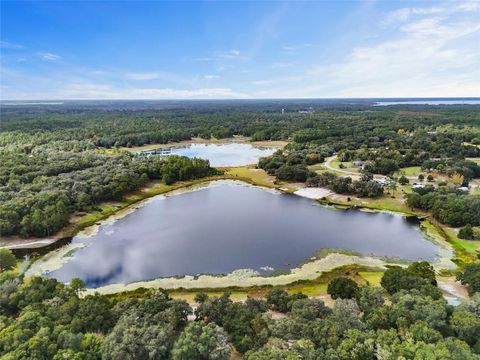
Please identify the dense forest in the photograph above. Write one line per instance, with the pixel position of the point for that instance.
(406, 317)
(52, 163)
(39, 192)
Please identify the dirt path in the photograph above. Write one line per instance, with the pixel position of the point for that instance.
(328, 165)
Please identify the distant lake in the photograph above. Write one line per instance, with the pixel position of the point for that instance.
(231, 154)
(430, 102)
(229, 225)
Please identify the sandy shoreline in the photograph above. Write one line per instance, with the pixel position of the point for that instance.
(26, 243)
(314, 193)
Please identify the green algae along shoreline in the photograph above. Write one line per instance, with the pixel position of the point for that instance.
(311, 269)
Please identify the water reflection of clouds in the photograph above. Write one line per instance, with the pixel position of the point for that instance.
(228, 226)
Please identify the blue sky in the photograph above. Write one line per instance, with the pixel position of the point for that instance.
(182, 50)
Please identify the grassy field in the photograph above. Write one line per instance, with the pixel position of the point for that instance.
(384, 203)
(465, 250)
(312, 288)
(336, 164)
(347, 165)
(251, 175)
(317, 167)
(371, 278)
(411, 171)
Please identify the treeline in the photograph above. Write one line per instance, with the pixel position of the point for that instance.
(406, 318)
(291, 163)
(39, 193)
(450, 207)
(389, 161)
(50, 167)
(345, 127)
(365, 187)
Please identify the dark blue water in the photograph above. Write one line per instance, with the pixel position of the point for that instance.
(229, 226)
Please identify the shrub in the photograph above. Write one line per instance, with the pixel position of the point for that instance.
(7, 260)
(403, 180)
(471, 277)
(343, 288)
(397, 279)
(466, 232)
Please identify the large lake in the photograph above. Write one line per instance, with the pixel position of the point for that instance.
(231, 154)
(430, 102)
(229, 225)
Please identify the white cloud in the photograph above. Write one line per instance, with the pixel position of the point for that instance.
(294, 48)
(143, 76)
(49, 56)
(416, 52)
(426, 57)
(280, 65)
(232, 53)
(101, 91)
(405, 14)
(10, 45)
(222, 55)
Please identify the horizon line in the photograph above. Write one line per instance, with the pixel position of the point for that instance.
(245, 99)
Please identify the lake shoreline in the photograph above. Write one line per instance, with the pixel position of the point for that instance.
(254, 177)
(19, 243)
(232, 140)
(245, 278)
(309, 269)
(145, 194)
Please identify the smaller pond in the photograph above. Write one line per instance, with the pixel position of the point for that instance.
(230, 225)
(231, 154)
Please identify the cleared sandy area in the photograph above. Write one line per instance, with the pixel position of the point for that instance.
(19, 243)
(454, 288)
(246, 278)
(314, 193)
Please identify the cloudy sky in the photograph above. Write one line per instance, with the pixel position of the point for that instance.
(197, 50)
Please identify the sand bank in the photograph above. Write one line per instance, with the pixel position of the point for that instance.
(314, 193)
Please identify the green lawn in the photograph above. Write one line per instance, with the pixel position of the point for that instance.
(336, 164)
(411, 171)
(386, 203)
(256, 176)
(465, 250)
(372, 277)
(316, 167)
